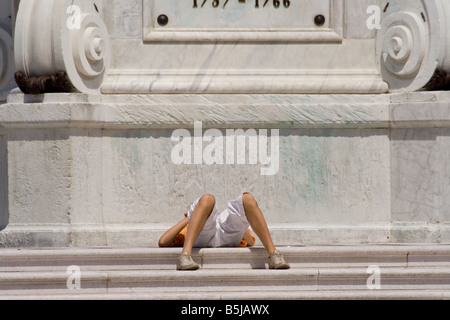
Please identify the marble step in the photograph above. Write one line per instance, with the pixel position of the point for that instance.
(226, 258)
(318, 272)
(157, 284)
(284, 295)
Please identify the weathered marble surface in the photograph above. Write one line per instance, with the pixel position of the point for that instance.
(352, 168)
(420, 161)
(95, 168)
(118, 47)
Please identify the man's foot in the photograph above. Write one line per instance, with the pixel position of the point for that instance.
(185, 262)
(276, 261)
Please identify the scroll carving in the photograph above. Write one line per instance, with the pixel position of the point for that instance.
(412, 45)
(61, 35)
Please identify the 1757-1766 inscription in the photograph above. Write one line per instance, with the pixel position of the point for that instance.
(237, 16)
(257, 3)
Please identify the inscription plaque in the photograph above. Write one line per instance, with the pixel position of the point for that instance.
(240, 20)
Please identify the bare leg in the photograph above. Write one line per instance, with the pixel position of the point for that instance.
(201, 213)
(257, 221)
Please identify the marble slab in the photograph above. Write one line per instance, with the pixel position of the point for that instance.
(351, 168)
(212, 46)
(230, 46)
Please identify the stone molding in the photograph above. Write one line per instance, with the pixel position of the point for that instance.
(180, 111)
(65, 110)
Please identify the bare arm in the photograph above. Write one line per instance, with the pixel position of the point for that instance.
(249, 239)
(170, 235)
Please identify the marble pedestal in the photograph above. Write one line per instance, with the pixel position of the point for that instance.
(361, 147)
(352, 168)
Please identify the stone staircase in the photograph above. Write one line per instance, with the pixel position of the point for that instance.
(317, 272)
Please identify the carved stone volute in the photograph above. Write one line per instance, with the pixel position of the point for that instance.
(413, 43)
(54, 36)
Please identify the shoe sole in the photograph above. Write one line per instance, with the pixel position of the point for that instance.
(188, 268)
(281, 267)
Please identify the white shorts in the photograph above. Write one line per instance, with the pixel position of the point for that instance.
(222, 229)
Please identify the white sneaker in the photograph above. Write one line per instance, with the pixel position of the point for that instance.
(185, 262)
(276, 261)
